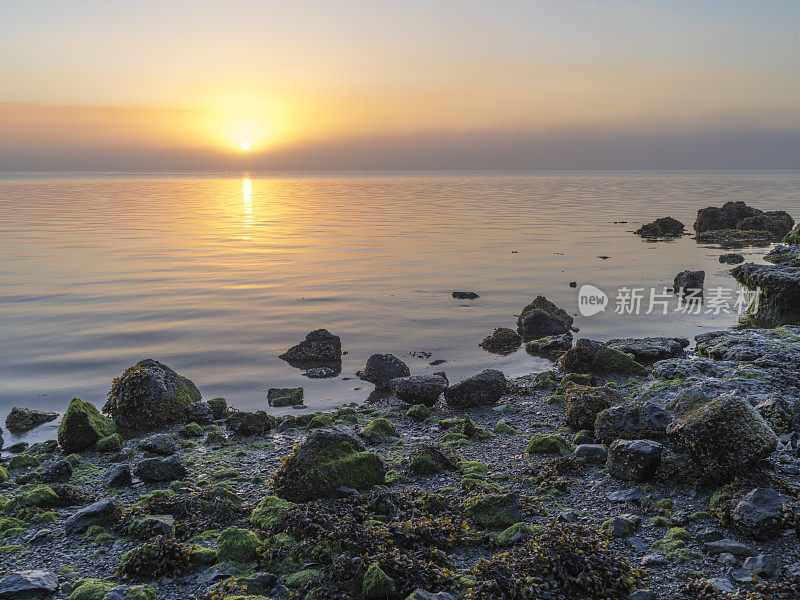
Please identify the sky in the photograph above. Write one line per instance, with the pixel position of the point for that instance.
(566, 84)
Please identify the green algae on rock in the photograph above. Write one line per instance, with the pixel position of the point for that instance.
(149, 394)
(83, 426)
(493, 511)
(376, 584)
(589, 356)
(269, 512)
(238, 545)
(547, 443)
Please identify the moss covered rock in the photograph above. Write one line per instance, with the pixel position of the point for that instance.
(426, 459)
(327, 460)
(585, 403)
(91, 589)
(83, 426)
(22, 462)
(269, 512)
(589, 356)
(238, 545)
(219, 406)
(110, 443)
(376, 584)
(280, 397)
(379, 430)
(502, 341)
(493, 511)
(148, 395)
(547, 443)
(40, 496)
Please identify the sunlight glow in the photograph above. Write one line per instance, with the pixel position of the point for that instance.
(245, 146)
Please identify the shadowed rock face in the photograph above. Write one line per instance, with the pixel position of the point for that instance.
(779, 285)
(663, 227)
(549, 319)
(319, 347)
(737, 223)
(487, 387)
(650, 349)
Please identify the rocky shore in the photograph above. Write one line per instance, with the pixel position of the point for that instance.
(633, 469)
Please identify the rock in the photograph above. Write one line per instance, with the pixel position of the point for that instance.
(709, 535)
(130, 592)
(779, 285)
(281, 397)
(663, 227)
(584, 403)
(676, 466)
(382, 368)
(735, 238)
(723, 436)
(376, 584)
(781, 416)
(551, 347)
(650, 349)
(783, 254)
(726, 217)
(118, 475)
(420, 594)
(634, 460)
(20, 420)
(689, 282)
(641, 594)
(55, 471)
(485, 388)
(760, 514)
(22, 585)
(219, 406)
(103, 512)
(327, 460)
(150, 526)
(154, 469)
(536, 324)
(200, 413)
(778, 224)
(729, 546)
(110, 443)
(620, 526)
(653, 560)
(418, 389)
(250, 423)
(720, 584)
(628, 495)
(320, 346)
(589, 356)
(763, 565)
(321, 372)
(150, 395)
(542, 303)
(82, 427)
(465, 295)
(593, 453)
(493, 511)
(161, 443)
(502, 341)
(731, 259)
(637, 420)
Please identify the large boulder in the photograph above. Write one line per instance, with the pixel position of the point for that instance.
(536, 324)
(726, 217)
(779, 284)
(761, 514)
(327, 460)
(634, 460)
(320, 346)
(149, 395)
(634, 421)
(250, 423)
(735, 217)
(382, 368)
(155, 469)
(83, 426)
(24, 585)
(418, 389)
(103, 512)
(20, 420)
(487, 387)
(723, 436)
(584, 403)
(650, 349)
(689, 282)
(663, 227)
(590, 356)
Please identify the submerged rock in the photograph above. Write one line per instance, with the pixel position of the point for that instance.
(382, 368)
(731, 259)
(502, 341)
(281, 397)
(689, 282)
(320, 346)
(465, 295)
(418, 389)
(650, 349)
(149, 395)
(83, 426)
(590, 356)
(663, 227)
(326, 461)
(541, 318)
(20, 420)
(487, 387)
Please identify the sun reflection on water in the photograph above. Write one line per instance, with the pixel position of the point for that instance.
(247, 201)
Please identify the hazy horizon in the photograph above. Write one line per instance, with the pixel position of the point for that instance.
(321, 85)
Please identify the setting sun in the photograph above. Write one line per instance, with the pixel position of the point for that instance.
(245, 146)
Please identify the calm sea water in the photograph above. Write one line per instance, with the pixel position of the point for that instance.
(216, 275)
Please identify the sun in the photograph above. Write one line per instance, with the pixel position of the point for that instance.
(245, 146)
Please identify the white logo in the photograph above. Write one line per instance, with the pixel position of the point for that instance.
(591, 300)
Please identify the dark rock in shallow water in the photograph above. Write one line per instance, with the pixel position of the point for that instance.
(250, 423)
(118, 475)
(650, 349)
(326, 461)
(736, 224)
(322, 372)
(634, 460)
(320, 346)
(154, 469)
(538, 326)
(161, 443)
(103, 512)
(502, 341)
(551, 346)
(487, 387)
(779, 285)
(28, 585)
(782, 254)
(55, 471)
(663, 227)
(465, 295)
(419, 389)
(382, 368)
(150, 395)
(590, 356)
(726, 217)
(761, 514)
(735, 238)
(20, 420)
(281, 397)
(688, 282)
(731, 259)
(777, 223)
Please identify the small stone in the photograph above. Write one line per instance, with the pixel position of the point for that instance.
(320, 346)
(320, 373)
(103, 512)
(154, 469)
(418, 389)
(21, 585)
(161, 443)
(650, 560)
(118, 475)
(729, 546)
(628, 495)
(593, 453)
(689, 282)
(55, 471)
(200, 412)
